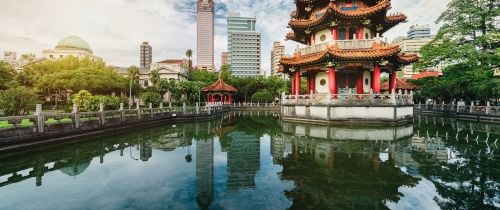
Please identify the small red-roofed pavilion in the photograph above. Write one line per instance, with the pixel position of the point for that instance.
(219, 92)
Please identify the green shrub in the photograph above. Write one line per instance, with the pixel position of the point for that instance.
(87, 102)
(109, 103)
(17, 101)
(151, 97)
(81, 98)
(262, 97)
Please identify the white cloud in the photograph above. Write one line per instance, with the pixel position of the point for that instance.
(115, 28)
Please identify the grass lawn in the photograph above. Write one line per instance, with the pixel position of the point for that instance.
(27, 123)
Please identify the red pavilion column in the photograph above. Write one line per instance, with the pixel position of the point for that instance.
(393, 80)
(335, 33)
(313, 83)
(359, 82)
(360, 32)
(376, 78)
(297, 82)
(347, 33)
(332, 80)
(293, 83)
(230, 99)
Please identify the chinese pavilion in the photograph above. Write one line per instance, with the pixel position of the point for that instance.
(345, 53)
(219, 92)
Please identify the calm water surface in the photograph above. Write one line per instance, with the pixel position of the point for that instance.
(259, 162)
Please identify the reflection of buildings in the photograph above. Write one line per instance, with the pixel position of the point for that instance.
(277, 147)
(341, 175)
(146, 151)
(243, 161)
(204, 173)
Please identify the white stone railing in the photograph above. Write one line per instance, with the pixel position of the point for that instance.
(349, 99)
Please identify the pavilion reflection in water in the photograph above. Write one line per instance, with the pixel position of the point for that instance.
(329, 167)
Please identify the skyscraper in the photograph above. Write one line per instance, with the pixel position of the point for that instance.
(146, 55)
(244, 46)
(417, 37)
(276, 53)
(223, 58)
(205, 35)
(419, 31)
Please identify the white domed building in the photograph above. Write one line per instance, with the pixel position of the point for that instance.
(71, 46)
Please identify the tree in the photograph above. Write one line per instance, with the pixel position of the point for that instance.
(155, 77)
(7, 75)
(189, 54)
(262, 97)
(151, 97)
(81, 98)
(133, 75)
(17, 101)
(468, 40)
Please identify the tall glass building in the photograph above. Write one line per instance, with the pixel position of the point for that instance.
(244, 46)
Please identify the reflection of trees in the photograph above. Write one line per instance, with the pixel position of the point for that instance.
(471, 180)
(340, 179)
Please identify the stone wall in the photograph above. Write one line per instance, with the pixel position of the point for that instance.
(44, 125)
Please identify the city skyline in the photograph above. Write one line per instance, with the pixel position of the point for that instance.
(24, 34)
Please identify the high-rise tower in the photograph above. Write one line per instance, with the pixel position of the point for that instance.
(244, 46)
(146, 55)
(205, 35)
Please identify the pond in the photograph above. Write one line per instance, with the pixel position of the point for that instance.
(255, 161)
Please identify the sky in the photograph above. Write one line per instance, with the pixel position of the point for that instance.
(116, 28)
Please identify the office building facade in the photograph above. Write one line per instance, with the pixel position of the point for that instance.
(244, 46)
(205, 35)
(146, 55)
(276, 53)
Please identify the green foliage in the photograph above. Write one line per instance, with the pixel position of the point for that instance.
(155, 77)
(73, 74)
(17, 101)
(87, 102)
(109, 103)
(81, 98)
(7, 76)
(151, 97)
(262, 97)
(468, 40)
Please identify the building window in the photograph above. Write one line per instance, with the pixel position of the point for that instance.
(322, 82)
(61, 56)
(51, 56)
(322, 38)
(146, 83)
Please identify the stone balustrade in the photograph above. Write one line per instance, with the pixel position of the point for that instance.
(48, 124)
(400, 98)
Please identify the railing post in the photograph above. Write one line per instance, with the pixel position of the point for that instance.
(488, 107)
(76, 116)
(122, 112)
(170, 107)
(442, 106)
(209, 109)
(197, 108)
(420, 105)
(138, 109)
(102, 115)
(40, 119)
(393, 97)
(161, 109)
(151, 110)
(471, 107)
(183, 108)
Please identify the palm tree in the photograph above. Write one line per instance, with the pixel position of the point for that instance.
(189, 54)
(133, 75)
(155, 77)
